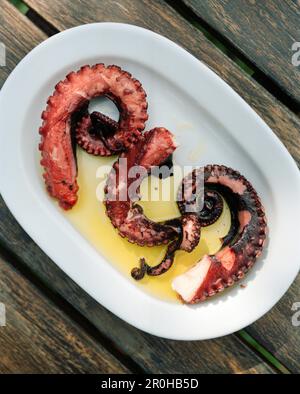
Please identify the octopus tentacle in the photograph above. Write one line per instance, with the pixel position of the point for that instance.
(103, 125)
(89, 140)
(212, 203)
(151, 149)
(213, 273)
(71, 95)
(212, 208)
(90, 135)
(116, 141)
(191, 231)
(98, 135)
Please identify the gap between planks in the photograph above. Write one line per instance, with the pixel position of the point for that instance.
(219, 41)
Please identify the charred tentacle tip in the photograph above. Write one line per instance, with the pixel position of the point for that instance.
(242, 245)
(208, 205)
(152, 148)
(138, 273)
(188, 230)
(103, 124)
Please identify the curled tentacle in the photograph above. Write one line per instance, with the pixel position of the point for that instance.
(115, 141)
(207, 205)
(89, 139)
(103, 125)
(92, 132)
(247, 236)
(151, 150)
(188, 230)
(70, 96)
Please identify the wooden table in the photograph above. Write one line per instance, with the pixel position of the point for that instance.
(53, 325)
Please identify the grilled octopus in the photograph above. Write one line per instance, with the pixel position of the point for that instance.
(68, 105)
(241, 247)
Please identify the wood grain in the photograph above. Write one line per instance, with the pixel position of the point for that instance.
(154, 354)
(263, 31)
(12, 37)
(39, 338)
(276, 332)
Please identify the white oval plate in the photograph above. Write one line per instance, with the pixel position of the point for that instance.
(192, 101)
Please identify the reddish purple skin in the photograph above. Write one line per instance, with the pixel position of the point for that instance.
(151, 149)
(188, 235)
(99, 135)
(232, 262)
(69, 97)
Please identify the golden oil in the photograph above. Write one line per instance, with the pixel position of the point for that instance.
(89, 218)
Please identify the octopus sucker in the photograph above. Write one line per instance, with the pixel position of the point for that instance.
(213, 273)
(191, 231)
(70, 96)
(212, 202)
(153, 148)
(92, 131)
(100, 135)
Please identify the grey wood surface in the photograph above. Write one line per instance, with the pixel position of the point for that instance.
(152, 354)
(39, 337)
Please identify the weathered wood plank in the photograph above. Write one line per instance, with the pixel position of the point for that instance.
(263, 31)
(153, 354)
(39, 338)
